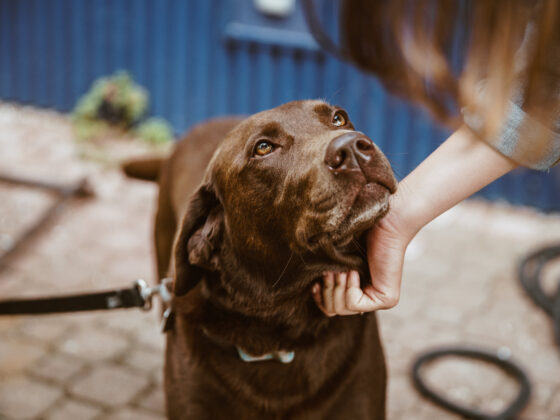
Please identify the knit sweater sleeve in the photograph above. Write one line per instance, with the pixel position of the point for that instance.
(522, 138)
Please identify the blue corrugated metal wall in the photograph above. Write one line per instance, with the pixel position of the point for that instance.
(196, 65)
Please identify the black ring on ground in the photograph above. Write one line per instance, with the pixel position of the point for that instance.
(507, 366)
(530, 274)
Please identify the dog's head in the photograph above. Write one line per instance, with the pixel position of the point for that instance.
(296, 182)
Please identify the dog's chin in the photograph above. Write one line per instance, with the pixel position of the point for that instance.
(370, 204)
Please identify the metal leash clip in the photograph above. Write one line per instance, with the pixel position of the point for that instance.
(167, 320)
(146, 292)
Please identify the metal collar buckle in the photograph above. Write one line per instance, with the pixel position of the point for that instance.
(146, 292)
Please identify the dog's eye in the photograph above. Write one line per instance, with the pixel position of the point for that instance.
(339, 119)
(263, 148)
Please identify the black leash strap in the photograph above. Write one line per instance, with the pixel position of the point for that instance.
(138, 296)
(114, 299)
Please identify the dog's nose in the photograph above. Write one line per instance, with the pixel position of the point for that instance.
(346, 152)
(354, 152)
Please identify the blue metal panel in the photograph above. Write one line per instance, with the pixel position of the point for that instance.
(196, 65)
(7, 14)
(247, 24)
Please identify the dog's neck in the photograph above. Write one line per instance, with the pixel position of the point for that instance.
(254, 314)
(263, 314)
(270, 298)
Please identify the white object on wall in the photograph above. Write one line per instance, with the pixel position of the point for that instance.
(276, 8)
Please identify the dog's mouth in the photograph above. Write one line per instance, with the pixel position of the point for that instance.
(370, 204)
(372, 196)
(355, 215)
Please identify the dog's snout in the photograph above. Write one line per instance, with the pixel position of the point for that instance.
(354, 152)
(345, 152)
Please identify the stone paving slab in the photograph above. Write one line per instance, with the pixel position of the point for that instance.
(70, 409)
(23, 397)
(459, 286)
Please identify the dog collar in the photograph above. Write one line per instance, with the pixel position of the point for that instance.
(280, 356)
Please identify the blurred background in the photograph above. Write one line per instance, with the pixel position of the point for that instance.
(85, 84)
(202, 59)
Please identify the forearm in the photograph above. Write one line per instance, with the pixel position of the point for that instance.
(461, 166)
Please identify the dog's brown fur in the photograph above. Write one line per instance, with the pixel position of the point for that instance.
(245, 237)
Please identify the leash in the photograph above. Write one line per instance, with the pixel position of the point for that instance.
(140, 295)
(530, 273)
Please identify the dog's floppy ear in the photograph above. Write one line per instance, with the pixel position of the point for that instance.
(197, 246)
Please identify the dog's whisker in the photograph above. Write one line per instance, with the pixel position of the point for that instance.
(284, 270)
(303, 261)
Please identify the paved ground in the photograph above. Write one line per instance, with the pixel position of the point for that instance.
(459, 286)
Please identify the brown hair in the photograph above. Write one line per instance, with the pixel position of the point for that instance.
(511, 45)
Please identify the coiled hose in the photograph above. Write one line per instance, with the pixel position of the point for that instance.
(530, 273)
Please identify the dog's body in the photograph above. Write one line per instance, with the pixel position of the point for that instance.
(245, 234)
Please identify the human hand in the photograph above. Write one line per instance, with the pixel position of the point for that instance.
(341, 294)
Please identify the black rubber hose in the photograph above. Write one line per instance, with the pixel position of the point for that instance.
(530, 272)
(503, 363)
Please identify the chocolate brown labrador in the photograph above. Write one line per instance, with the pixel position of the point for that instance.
(251, 212)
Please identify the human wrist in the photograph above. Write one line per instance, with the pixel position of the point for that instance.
(406, 212)
(462, 165)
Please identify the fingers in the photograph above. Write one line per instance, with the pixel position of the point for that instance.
(353, 279)
(328, 292)
(339, 294)
(333, 297)
(317, 297)
(354, 296)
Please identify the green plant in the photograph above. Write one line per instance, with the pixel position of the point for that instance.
(114, 101)
(155, 131)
